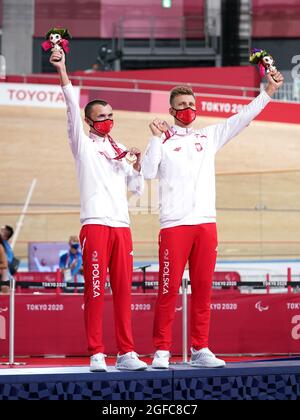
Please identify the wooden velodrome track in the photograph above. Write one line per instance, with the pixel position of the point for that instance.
(258, 170)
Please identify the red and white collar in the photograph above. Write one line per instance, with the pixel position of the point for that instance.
(97, 138)
(175, 130)
(182, 131)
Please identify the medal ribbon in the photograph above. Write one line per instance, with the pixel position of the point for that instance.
(120, 153)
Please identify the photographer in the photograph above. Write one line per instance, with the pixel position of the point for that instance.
(70, 262)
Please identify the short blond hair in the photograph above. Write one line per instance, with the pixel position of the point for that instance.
(73, 239)
(180, 90)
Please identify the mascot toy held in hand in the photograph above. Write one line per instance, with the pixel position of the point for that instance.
(263, 60)
(57, 40)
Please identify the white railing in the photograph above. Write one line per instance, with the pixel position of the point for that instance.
(288, 92)
(139, 84)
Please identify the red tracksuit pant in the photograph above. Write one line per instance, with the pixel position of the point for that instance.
(198, 245)
(103, 248)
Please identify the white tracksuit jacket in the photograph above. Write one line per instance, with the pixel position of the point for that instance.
(103, 183)
(185, 166)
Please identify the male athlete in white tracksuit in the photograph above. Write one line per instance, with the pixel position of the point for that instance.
(103, 176)
(183, 159)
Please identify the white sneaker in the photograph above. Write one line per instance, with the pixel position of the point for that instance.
(130, 361)
(161, 359)
(206, 359)
(97, 363)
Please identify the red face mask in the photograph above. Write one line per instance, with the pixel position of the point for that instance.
(103, 127)
(186, 115)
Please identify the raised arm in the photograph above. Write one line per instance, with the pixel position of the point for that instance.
(153, 154)
(58, 60)
(75, 125)
(224, 132)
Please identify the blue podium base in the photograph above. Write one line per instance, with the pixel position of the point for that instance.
(274, 380)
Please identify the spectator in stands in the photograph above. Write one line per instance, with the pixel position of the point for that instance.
(6, 234)
(105, 170)
(70, 263)
(3, 265)
(95, 67)
(183, 159)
